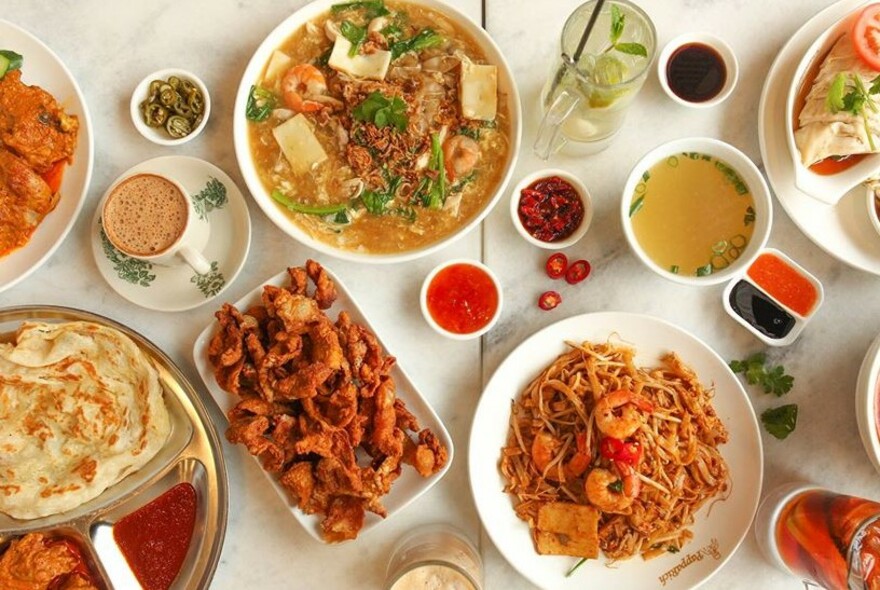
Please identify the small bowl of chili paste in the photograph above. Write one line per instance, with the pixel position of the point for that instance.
(551, 209)
(461, 299)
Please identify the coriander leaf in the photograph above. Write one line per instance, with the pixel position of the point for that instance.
(616, 486)
(382, 111)
(781, 421)
(777, 382)
(863, 92)
(355, 34)
(834, 100)
(392, 33)
(618, 20)
(875, 86)
(471, 132)
(259, 105)
(631, 49)
(423, 40)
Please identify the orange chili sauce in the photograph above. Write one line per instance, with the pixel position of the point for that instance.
(155, 538)
(830, 166)
(784, 283)
(462, 298)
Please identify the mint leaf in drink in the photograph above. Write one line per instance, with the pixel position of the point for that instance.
(631, 49)
(618, 20)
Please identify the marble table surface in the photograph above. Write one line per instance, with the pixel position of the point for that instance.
(109, 47)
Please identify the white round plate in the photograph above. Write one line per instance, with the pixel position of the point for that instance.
(866, 402)
(843, 230)
(177, 288)
(717, 531)
(507, 91)
(43, 68)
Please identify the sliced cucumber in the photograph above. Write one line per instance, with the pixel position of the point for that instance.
(9, 60)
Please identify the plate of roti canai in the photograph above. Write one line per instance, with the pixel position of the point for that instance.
(102, 435)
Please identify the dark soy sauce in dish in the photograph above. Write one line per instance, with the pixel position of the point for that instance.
(696, 72)
(756, 307)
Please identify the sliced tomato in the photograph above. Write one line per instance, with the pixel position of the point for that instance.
(556, 265)
(54, 175)
(577, 272)
(549, 300)
(866, 36)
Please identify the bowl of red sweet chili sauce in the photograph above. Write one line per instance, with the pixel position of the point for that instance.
(461, 299)
(551, 209)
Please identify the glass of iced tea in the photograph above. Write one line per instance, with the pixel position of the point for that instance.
(585, 102)
(825, 538)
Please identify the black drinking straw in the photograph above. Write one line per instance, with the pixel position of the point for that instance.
(572, 61)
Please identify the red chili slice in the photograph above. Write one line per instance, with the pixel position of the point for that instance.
(610, 447)
(556, 265)
(577, 272)
(549, 300)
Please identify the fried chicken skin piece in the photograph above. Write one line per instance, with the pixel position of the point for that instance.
(33, 124)
(345, 517)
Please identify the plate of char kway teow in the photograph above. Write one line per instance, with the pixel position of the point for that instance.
(615, 450)
(377, 134)
(819, 131)
(46, 151)
(107, 455)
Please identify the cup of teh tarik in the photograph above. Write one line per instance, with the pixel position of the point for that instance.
(151, 217)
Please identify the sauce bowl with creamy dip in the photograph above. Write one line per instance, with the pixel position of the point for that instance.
(434, 556)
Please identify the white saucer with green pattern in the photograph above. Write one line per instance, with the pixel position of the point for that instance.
(177, 288)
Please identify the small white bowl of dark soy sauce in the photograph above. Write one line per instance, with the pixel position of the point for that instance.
(697, 70)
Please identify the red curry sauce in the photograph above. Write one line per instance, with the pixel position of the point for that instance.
(462, 298)
(155, 538)
(784, 283)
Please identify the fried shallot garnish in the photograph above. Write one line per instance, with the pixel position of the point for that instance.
(318, 404)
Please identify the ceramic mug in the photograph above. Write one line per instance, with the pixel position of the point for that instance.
(151, 217)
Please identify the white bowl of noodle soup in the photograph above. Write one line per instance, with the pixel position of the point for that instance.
(508, 101)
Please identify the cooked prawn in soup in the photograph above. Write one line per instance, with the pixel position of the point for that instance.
(379, 127)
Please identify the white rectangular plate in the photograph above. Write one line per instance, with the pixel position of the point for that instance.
(410, 485)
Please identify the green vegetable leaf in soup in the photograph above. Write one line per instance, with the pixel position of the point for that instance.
(355, 34)
(260, 103)
(423, 40)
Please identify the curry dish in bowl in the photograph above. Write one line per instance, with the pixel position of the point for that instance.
(377, 131)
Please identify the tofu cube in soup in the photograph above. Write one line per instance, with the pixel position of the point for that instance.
(479, 91)
(279, 63)
(299, 144)
(565, 528)
(372, 66)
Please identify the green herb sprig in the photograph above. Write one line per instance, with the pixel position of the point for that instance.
(356, 36)
(618, 22)
(382, 111)
(851, 96)
(780, 421)
(772, 379)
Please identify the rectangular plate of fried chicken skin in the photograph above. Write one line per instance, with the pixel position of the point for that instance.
(309, 390)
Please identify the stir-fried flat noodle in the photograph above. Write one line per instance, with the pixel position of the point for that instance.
(553, 451)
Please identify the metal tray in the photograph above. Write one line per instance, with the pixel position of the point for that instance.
(191, 454)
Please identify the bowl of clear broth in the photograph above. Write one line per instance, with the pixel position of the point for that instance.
(696, 211)
(377, 132)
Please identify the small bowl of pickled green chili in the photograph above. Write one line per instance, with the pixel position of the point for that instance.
(170, 107)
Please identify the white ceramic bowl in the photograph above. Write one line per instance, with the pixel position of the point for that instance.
(826, 188)
(582, 192)
(506, 87)
(749, 173)
(867, 403)
(723, 49)
(423, 299)
(158, 135)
